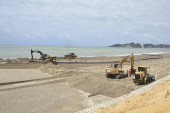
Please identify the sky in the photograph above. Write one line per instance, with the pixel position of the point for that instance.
(84, 22)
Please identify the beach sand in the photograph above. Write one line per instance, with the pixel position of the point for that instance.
(89, 78)
(156, 100)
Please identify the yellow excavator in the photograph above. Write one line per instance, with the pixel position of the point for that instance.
(116, 71)
(142, 76)
(44, 57)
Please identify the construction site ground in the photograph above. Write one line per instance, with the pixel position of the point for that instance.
(35, 87)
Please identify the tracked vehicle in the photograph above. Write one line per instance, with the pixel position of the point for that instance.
(44, 57)
(116, 71)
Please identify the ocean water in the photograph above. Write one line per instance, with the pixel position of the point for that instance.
(18, 51)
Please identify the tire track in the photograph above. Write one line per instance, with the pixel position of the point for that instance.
(32, 80)
(31, 84)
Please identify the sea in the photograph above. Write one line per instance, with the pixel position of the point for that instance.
(21, 51)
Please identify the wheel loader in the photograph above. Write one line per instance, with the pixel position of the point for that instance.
(142, 76)
(70, 55)
(116, 71)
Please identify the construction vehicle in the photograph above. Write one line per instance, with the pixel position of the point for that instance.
(44, 57)
(70, 56)
(116, 71)
(142, 76)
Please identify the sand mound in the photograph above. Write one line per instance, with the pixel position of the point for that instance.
(101, 85)
(156, 100)
(18, 60)
(49, 68)
(91, 77)
(55, 70)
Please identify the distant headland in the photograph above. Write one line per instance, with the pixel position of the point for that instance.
(138, 45)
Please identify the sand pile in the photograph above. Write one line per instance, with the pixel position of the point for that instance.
(48, 69)
(58, 71)
(91, 77)
(156, 100)
(101, 85)
(18, 60)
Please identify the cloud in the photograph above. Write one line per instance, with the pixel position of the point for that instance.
(92, 22)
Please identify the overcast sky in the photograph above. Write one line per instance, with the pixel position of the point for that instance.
(84, 22)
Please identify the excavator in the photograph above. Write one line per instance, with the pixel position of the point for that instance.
(44, 57)
(116, 69)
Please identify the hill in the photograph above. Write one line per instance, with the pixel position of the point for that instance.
(138, 45)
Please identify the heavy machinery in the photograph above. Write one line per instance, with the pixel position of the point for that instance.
(44, 57)
(70, 56)
(142, 76)
(116, 69)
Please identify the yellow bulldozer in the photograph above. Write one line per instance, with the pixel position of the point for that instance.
(142, 76)
(116, 71)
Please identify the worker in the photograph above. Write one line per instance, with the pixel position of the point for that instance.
(129, 72)
(115, 65)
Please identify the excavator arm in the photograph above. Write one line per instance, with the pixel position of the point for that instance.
(121, 62)
(37, 51)
(131, 58)
(132, 61)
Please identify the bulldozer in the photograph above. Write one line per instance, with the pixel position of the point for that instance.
(116, 71)
(142, 76)
(70, 56)
(44, 57)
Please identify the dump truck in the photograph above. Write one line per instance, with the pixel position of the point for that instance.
(142, 75)
(116, 71)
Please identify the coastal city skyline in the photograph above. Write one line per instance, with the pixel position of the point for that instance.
(84, 23)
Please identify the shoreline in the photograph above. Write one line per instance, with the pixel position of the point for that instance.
(87, 57)
(10, 52)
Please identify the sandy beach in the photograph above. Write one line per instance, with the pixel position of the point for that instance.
(84, 84)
